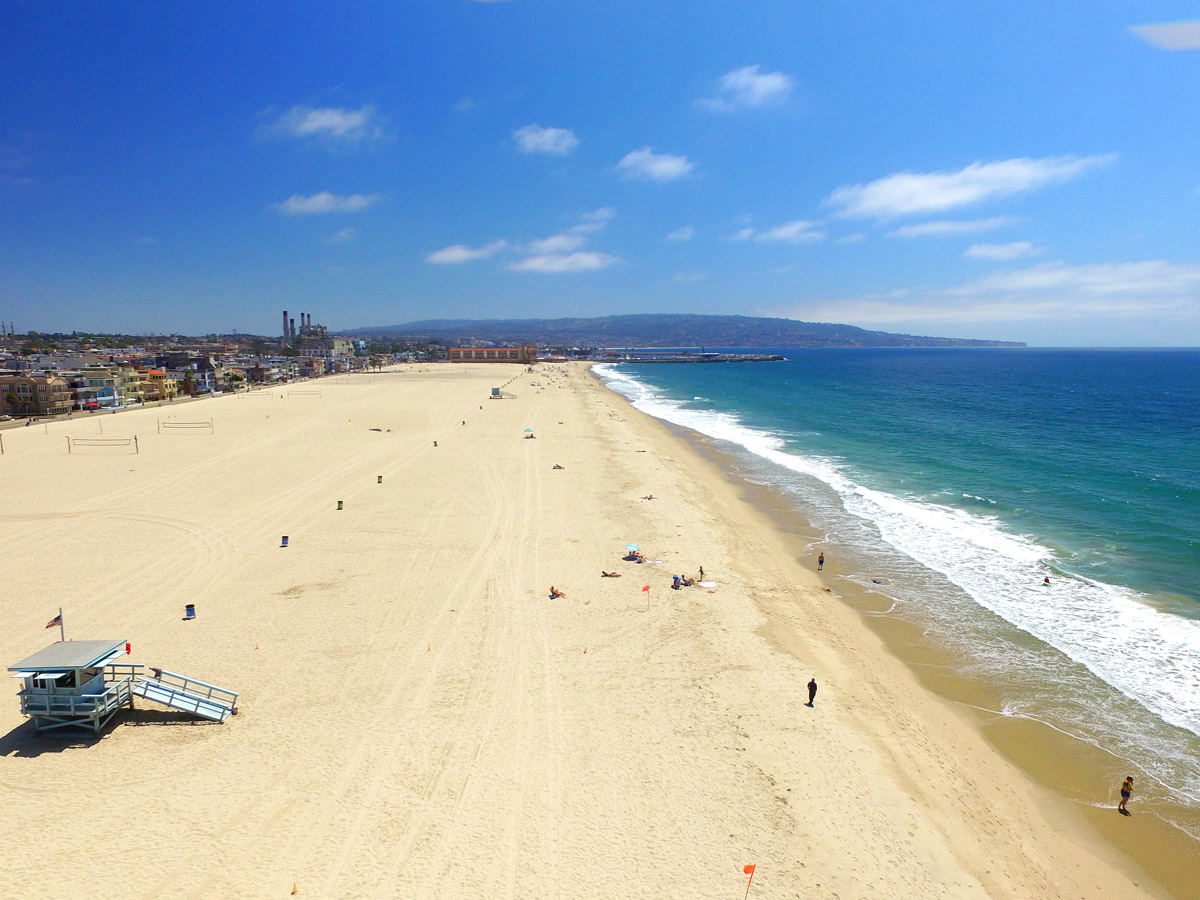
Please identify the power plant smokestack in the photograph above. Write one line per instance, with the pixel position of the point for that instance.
(292, 329)
(285, 326)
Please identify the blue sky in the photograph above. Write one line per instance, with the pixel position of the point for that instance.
(1016, 170)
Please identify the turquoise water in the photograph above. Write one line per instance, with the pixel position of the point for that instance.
(957, 480)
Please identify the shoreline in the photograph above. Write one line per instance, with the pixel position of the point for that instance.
(1048, 759)
(417, 716)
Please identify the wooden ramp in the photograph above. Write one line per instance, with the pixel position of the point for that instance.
(180, 692)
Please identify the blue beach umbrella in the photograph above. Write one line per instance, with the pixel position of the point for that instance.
(632, 547)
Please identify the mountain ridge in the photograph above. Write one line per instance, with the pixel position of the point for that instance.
(665, 330)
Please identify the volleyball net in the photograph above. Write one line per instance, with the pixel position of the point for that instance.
(129, 445)
(201, 427)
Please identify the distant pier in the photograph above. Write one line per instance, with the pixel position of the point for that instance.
(676, 355)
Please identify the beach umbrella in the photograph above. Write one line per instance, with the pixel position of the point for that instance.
(632, 547)
(529, 430)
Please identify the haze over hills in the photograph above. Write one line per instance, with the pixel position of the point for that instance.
(661, 330)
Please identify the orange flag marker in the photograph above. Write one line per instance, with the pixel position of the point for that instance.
(748, 869)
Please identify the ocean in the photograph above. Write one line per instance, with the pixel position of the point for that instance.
(953, 482)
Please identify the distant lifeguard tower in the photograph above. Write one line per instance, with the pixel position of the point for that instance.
(80, 684)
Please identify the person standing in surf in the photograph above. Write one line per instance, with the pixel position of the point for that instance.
(1126, 791)
(820, 561)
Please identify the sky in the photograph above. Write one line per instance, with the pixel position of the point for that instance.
(1005, 169)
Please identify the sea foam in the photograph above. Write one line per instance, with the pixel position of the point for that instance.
(1151, 656)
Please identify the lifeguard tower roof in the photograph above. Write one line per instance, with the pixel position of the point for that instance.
(69, 656)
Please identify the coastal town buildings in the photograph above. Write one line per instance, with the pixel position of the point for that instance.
(523, 354)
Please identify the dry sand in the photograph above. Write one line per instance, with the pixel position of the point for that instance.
(419, 720)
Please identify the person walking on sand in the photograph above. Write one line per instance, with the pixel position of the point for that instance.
(1126, 790)
(820, 561)
(812, 691)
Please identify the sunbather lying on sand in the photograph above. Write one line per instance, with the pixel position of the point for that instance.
(555, 593)
(649, 497)
(557, 466)
(604, 574)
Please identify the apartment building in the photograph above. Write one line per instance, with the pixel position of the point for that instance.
(35, 395)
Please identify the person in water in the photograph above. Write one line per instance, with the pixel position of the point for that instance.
(820, 561)
(1126, 791)
(1046, 581)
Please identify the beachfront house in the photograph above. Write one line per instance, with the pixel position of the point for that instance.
(129, 384)
(157, 385)
(35, 395)
(94, 387)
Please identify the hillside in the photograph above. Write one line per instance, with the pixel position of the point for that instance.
(660, 330)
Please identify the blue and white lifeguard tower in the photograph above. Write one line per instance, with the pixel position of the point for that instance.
(81, 684)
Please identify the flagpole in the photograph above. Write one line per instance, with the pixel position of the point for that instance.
(62, 631)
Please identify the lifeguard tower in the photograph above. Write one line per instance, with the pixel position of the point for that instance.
(75, 683)
(80, 684)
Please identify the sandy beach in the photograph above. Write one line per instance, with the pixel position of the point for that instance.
(418, 718)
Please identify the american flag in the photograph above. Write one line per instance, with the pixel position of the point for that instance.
(55, 622)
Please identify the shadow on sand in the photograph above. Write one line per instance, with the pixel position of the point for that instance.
(26, 742)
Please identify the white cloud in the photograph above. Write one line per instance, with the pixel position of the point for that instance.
(1117, 282)
(690, 277)
(647, 164)
(1171, 36)
(333, 125)
(583, 261)
(946, 227)
(686, 233)
(603, 214)
(325, 202)
(748, 88)
(460, 253)
(800, 231)
(341, 237)
(556, 243)
(594, 221)
(919, 193)
(536, 139)
(1015, 250)
(1051, 291)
